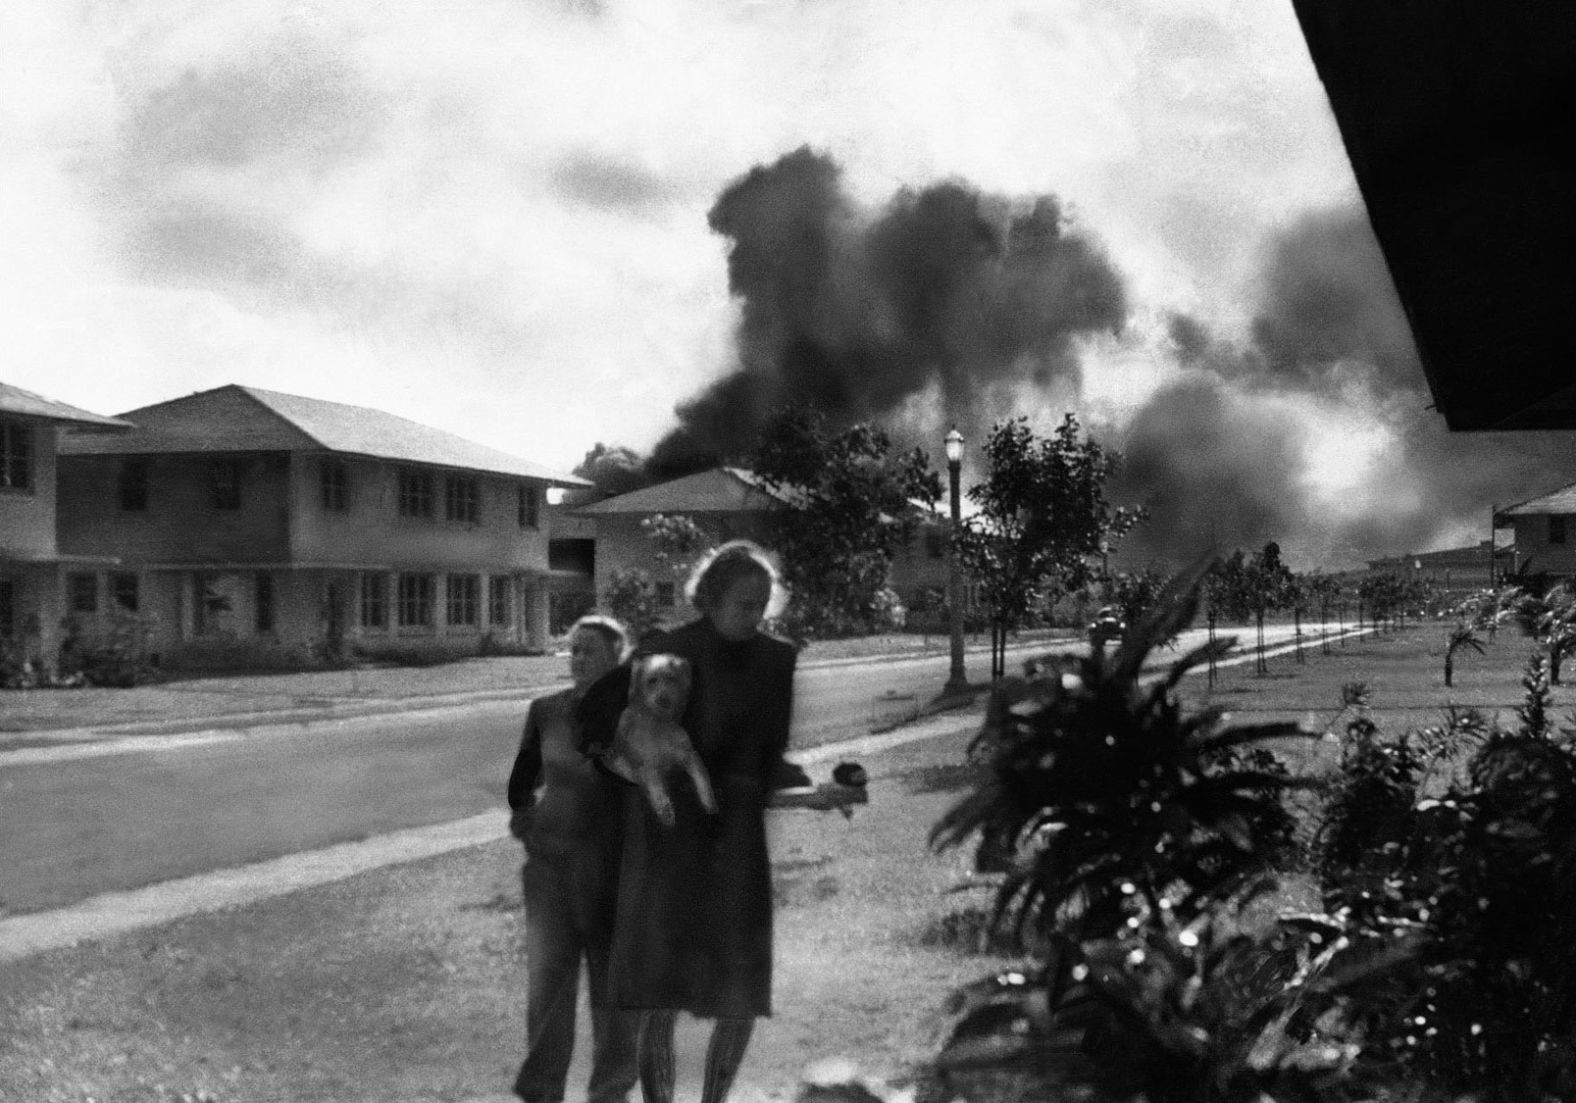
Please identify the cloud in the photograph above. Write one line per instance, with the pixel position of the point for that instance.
(607, 182)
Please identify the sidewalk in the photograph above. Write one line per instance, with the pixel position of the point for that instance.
(51, 717)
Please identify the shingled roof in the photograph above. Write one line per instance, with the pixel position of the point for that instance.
(14, 400)
(234, 418)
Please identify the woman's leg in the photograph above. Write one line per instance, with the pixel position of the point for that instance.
(552, 964)
(729, 1039)
(655, 1045)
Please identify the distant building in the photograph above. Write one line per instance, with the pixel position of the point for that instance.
(727, 503)
(34, 572)
(1451, 568)
(1545, 531)
(240, 514)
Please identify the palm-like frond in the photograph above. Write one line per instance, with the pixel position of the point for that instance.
(1147, 799)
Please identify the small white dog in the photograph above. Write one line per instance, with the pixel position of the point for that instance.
(650, 746)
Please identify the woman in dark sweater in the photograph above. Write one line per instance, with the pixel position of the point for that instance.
(694, 917)
(569, 822)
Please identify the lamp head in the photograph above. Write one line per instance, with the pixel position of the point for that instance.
(954, 445)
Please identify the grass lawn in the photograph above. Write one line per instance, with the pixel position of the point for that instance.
(406, 984)
(1403, 670)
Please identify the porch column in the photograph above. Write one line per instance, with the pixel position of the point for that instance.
(536, 613)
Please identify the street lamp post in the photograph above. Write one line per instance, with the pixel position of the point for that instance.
(957, 680)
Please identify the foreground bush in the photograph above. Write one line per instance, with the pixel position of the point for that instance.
(1145, 840)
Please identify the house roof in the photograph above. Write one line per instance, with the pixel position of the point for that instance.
(234, 418)
(718, 490)
(1451, 112)
(1562, 500)
(14, 400)
(1472, 555)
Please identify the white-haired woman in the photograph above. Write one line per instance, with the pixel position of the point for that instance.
(694, 925)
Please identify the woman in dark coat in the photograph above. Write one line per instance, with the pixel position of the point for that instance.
(693, 930)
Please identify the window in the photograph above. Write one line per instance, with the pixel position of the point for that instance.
(1556, 528)
(460, 501)
(216, 603)
(498, 599)
(7, 609)
(263, 603)
(83, 590)
(464, 599)
(415, 493)
(416, 593)
(226, 484)
(529, 506)
(374, 601)
(335, 485)
(134, 485)
(665, 595)
(125, 592)
(935, 546)
(16, 456)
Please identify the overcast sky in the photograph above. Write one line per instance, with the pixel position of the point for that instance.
(490, 215)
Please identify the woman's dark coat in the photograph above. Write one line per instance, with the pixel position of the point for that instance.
(694, 914)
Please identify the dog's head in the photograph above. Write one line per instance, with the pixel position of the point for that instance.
(661, 683)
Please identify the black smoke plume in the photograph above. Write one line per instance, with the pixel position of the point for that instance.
(1218, 456)
(854, 312)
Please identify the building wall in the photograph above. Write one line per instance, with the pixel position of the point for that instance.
(27, 517)
(181, 522)
(371, 530)
(1533, 544)
(282, 520)
(621, 544)
(923, 564)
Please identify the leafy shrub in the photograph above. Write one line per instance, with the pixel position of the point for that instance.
(1135, 829)
(631, 597)
(1456, 941)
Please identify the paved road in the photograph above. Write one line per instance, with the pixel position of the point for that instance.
(90, 822)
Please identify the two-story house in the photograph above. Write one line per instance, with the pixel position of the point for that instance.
(1545, 531)
(245, 514)
(33, 570)
(730, 503)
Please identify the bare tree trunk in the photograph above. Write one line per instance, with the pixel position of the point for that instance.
(1263, 667)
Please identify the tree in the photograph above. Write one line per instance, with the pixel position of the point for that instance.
(1476, 613)
(1243, 587)
(631, 596)
(1041, 515)
(1382, 595)
(848, 507)
(1299, 601)
(680, 543)
(1323, 590)
(1550, 616)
